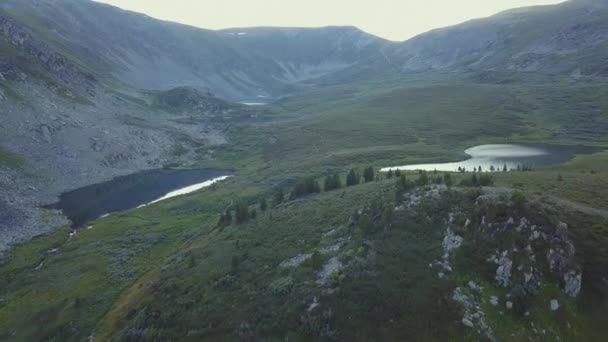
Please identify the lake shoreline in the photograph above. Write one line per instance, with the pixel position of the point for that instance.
(498, 157)
(91, 202)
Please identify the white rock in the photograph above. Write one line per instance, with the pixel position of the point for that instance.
(572, 283)
(554, 305)
(474, 286)
(509, 305)
(467, 323)
(494, 300)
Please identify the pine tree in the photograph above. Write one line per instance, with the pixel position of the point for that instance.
(423, 179)
(389, 174)
(263, 205)
(241, 213)
(368, 174)
(504, 168)
(352, 178)
(279, 196)
(447, 179)
(337, 182)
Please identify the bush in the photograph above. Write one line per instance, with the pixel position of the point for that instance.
(352, 178)
(306, 187)
(241, 213)
(263, 205)
(447, 179)
(332, 182)
(279, 196)
(368, 174)
(423, 179)
(316, 260)
(281, 285)
(486, 180)
(519, 200)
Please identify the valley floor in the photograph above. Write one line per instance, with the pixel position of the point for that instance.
(355, 263)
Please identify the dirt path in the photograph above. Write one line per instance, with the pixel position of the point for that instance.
(139, 293)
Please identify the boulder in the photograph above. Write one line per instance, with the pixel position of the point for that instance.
(494, 300)
(572, 283)
(554, 304)
(467, 323)
(503, 272)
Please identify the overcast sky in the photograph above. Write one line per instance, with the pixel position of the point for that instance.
(391, 19)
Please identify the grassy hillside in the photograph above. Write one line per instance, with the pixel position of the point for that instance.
(170, 272)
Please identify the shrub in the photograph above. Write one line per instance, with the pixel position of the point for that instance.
(316, 260)
(241, 213)
(368, 174)
(305, 187)
(279, 196)
(332, 182)
(519, 200)
(263, 205)
(423, 179)
(281, 285)
(447, 179)
(352, 178)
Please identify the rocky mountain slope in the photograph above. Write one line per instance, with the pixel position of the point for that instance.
(89, 91)
(566, 39)
(147, 53)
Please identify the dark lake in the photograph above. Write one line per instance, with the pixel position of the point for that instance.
(510, 155)
(122, 193)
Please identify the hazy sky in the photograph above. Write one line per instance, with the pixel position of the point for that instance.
(392, 19)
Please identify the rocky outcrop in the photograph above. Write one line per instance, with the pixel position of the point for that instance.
(503, 272)
(39, 52)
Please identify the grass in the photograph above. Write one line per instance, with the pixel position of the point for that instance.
(10, 160)
(168, 272)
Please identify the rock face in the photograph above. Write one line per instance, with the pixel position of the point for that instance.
(41, 53)
(451, 241)
(503, 272)
(572, 283)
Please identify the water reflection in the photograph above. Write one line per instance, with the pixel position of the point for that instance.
(501, 157)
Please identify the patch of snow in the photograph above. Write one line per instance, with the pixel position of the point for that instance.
(254, 103)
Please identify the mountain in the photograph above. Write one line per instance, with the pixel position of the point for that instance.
(143, 52)
(566, 39)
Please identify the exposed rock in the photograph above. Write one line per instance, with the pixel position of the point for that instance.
(503, 272)
(467, 323)
(554, 305)
(509, 305)
(45, 130)
(473, 315)
(332, 266)
(473, 286)
(451, 241)
(572, 283)
(295, 261)
(494, 300)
